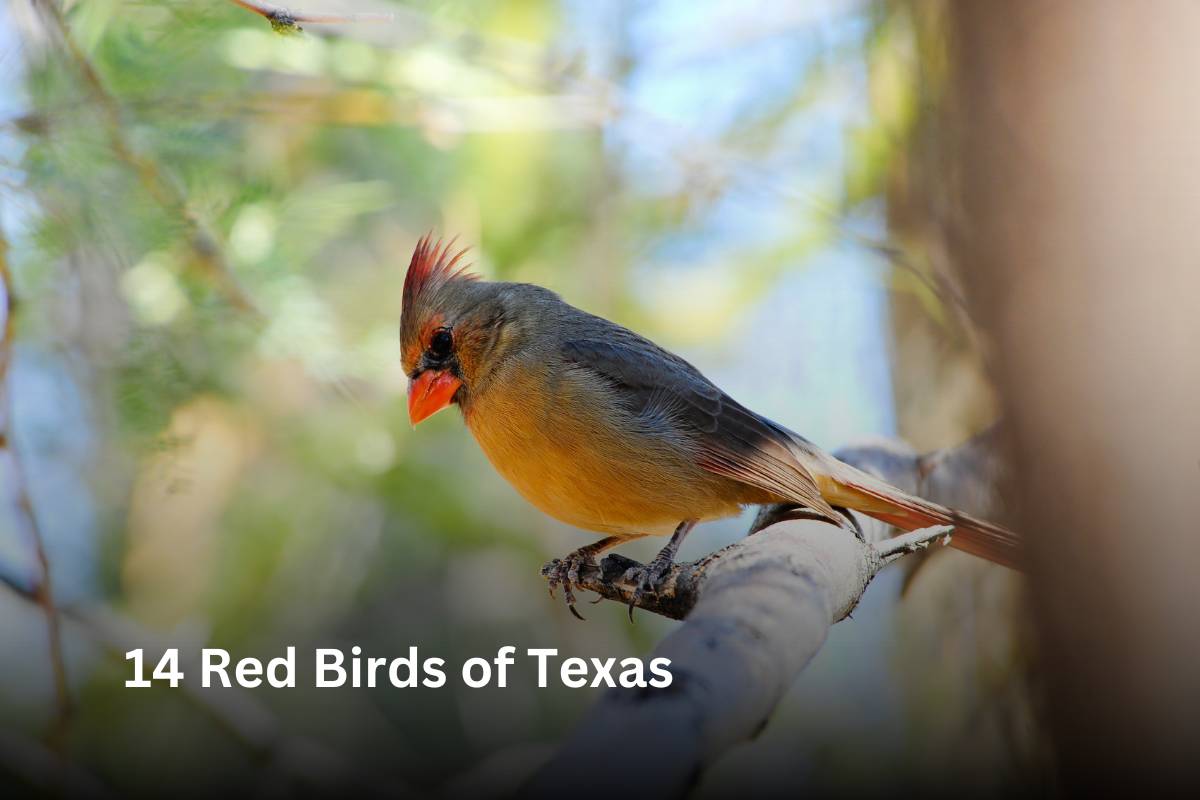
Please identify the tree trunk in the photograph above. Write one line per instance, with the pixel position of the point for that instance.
(1077, 159)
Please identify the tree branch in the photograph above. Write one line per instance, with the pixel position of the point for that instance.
(755, 614)
(207, 254)
(43, 593)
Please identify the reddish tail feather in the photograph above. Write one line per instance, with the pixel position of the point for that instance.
(859, 491)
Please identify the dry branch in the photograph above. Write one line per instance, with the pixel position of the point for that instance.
(756, 613)
(44, 594)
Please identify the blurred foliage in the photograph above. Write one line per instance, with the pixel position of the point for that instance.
(253, 479)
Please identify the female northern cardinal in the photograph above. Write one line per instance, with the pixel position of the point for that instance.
(605, 430)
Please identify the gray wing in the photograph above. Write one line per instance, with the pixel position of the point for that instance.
(726, 437)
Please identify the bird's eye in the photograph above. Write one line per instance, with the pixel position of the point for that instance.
(440, 343)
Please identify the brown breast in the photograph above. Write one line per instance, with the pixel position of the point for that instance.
(579, 464)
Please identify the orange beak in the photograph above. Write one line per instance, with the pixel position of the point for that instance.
(429, 393)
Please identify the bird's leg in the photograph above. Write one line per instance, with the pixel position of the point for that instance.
(649, 577)
(565, 570)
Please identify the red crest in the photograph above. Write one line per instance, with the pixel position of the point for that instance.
(433, 266)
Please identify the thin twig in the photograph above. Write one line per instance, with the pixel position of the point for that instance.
(43, 591)
(208, 255)
(913, 541)
(285, 20)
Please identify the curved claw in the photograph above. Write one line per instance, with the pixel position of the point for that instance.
(649, 579)
(565, 572)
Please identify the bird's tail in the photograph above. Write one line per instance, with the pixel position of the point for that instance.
(851, 488)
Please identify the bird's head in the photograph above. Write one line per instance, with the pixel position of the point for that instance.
(450, 325)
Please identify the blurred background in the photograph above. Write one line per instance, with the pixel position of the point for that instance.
(205, 225)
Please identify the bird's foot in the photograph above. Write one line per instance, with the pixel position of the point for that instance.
(649, 578)
(565, 571)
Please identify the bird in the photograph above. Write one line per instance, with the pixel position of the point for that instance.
(599, 427)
